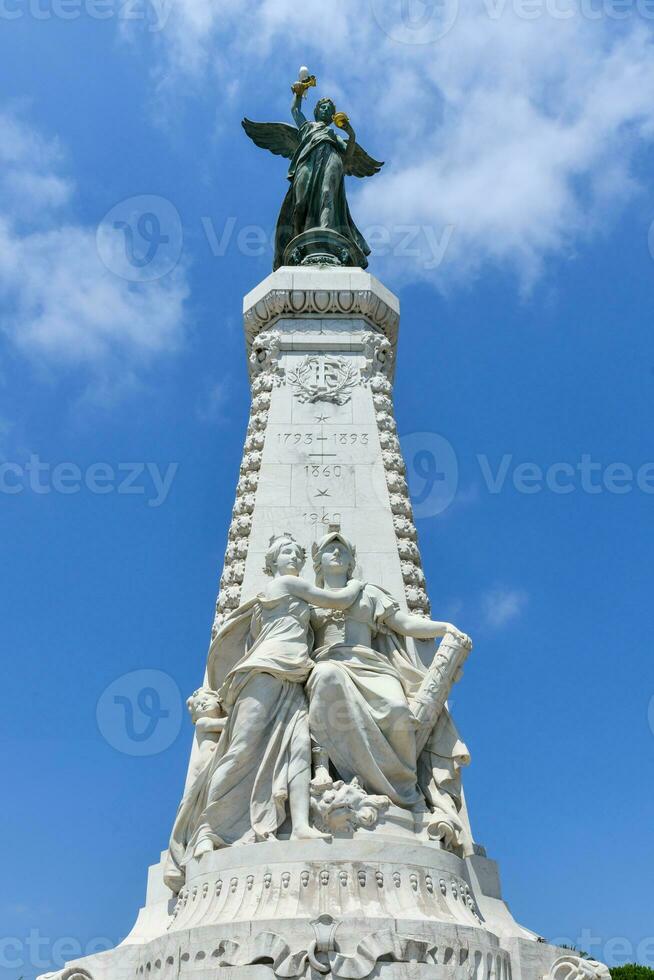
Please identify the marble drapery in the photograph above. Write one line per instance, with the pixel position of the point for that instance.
(359, 712)
(242, 792)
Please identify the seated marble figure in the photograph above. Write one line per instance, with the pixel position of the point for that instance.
(243, 788)
(324, 665)
(360, 692)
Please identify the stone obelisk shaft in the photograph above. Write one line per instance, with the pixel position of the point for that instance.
(322, 446)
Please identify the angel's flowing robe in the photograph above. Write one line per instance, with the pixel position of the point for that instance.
(260, 661)
(316, 197)
(360, 713)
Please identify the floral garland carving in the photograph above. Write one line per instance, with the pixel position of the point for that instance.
(266, 378)
(398, 491)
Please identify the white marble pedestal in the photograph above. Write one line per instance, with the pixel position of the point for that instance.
(322, 449)
(371, 905)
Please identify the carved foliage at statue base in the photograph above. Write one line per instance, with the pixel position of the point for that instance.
(341, 808)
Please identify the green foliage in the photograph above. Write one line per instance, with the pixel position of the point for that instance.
(631, 971)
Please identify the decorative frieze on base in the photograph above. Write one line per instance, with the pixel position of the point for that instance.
(366, 876)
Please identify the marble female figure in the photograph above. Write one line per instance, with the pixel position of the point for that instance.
(261, 766)
(360, 689)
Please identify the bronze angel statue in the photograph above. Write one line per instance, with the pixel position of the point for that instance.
(316, 200)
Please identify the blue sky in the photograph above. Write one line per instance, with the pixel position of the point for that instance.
(525, 146)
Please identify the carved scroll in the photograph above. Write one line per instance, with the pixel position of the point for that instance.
(435, 689)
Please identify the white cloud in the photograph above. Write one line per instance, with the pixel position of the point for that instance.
(522, 134)
(60, 304)
(501, 605)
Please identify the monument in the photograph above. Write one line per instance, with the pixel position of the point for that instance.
(323, 830)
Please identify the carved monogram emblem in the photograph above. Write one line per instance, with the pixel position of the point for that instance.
(321, 378)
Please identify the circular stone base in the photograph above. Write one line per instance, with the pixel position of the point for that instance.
(378, 879)
(352, 908)
(321, 246)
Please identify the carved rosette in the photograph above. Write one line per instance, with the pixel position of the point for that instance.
(398, 492)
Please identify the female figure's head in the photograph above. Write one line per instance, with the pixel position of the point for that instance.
(333, 554)
(284, 556)
(325, 111)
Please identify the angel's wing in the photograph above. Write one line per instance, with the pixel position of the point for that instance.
(279, 138)
(362, 164)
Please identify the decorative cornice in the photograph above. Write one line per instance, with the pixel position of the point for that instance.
(320, 294)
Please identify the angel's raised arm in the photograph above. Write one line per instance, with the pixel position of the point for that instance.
(296, 111)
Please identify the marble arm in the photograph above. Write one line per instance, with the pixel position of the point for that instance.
(417, 627)
(323, 598)
(207, 726)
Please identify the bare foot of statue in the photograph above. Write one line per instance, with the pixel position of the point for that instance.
(203, 846)
(305, 832)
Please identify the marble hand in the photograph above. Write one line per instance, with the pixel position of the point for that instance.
(462, 638)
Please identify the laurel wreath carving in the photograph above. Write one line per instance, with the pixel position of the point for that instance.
(347, 377)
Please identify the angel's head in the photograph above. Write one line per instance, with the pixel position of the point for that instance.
(324, 111)
(284, 556)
